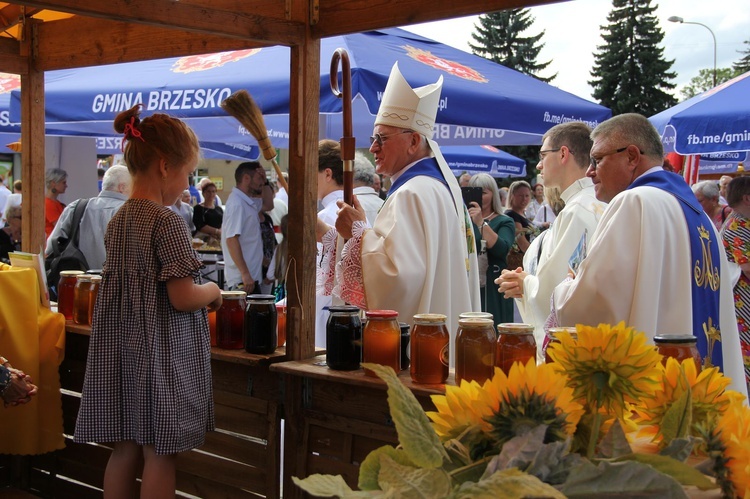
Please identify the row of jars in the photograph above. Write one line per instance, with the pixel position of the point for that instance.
(76, 295)
(253, 322)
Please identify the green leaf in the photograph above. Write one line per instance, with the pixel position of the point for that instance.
(678, 418)
(331, 486)
(681, 448)
(508, 484)
(370, 467)
(614, 443)
(415, 433)
(470, 473)
(518, 452)
(624, 479)
(407, 482)
(683, 473)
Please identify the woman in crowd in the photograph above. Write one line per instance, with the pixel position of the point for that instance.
(56, 182)
(519, 196)
(707, 193)
(207, 216)
(736, 235)
(497, 232)
(537, 200)
(10, 235)
(147, 387)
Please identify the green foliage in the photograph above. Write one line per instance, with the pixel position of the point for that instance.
(743, 65)
(407, 482)
(630, 73)
(614, 443)
(681, 472)
(370, 467)
(626, 479)
(508, 484)
(679, 417)
(705, 81)
(499, 39)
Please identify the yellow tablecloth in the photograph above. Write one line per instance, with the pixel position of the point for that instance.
(32, 338)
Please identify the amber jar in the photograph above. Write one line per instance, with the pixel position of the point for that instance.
(96, 281)
(475, 350)
(212, 326)
(679, 347)
(405, 338)
(552, 338)
(81, 299)
(281, 324)
(343, 338)
(381, 340)
(230, 320)
(515, 343)
(429, 346)
(260, 325)
(65, 292)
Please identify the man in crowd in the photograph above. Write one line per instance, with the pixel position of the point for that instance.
(364, 177)
(463, 180)
(116, 186)
(655, 261)
(4, 194)
(241, 241)
(723, 183)
(416, 258)
(563, 160)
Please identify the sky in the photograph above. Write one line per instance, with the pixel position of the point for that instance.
(573, 32)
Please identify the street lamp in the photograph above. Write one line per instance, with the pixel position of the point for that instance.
(677, 19)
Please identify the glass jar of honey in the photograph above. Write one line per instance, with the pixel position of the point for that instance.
(381, 340)
(260, 324)
(281, 323)
(343, 338)
(429, 346)
(81, 299)
(212, 326)
(552, 338)
(65, 292)
(515, 343)
(679, 347)
(96, 281)
(475, 350)
(230, 320)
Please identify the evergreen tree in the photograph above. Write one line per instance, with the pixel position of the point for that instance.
(743, 65)
(499, 39)
(630, 73)
(705, 81)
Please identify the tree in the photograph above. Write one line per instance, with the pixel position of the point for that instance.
(705, 81)
(499, 39)
(630, 74)
(743, 65)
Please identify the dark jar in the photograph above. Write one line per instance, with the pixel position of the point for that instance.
(381, 340)
(65, 292)
(405, 338)
(81, 299)
(429, 349)
(230, 320)
(475, 350)
(344, 338)
(552, 337)
(260, 324)
(679, 347)
(515, 343)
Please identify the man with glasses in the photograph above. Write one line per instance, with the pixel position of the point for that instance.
(419, 256)
(563, 160)
(656, 260)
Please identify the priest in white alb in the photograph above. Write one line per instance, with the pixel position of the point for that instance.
(419, 257)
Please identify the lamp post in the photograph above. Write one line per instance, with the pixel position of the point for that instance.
(677, 19)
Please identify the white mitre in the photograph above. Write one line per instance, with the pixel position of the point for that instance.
(404, 107)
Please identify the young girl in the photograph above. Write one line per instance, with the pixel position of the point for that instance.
(148, 379)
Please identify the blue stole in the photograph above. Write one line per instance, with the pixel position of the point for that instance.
(428, 167)
(704, 251)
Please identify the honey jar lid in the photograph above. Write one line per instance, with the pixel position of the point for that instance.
(261, 297)
(661, 339)
(381, 314)
(475, 322)
(554, 331)
(233, 295)
(469, 315)
(96, 278)
(71, 272)
(84, 277)
(345, 309)
(430, 318)
(515, 328)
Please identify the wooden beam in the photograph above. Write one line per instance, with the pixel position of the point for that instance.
(339, 17)
(108, 42)
(205, 19)
(11, 60)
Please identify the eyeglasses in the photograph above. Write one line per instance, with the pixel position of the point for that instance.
(380, 138)
(542, 154)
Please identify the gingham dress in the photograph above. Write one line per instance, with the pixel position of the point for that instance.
(148, 375)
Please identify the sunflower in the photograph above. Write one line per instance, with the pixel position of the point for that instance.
(528, 396)
(709, 396)
(733, 430)
(607, 367)
(461, 407)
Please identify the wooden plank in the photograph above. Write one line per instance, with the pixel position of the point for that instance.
(330, 442)
(242, 422)
(222, 470)
(82, 462)
(71, 404)
(244, 402)
(45, 486)
(354, 426)
(237, 449)
(327, 466)
(209, 489)
(256, 382)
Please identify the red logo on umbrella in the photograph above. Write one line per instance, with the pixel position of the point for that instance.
(9, 82)
(452, 67)
(210, 61)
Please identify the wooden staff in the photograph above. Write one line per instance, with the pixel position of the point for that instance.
(246, 111)
(347, 141)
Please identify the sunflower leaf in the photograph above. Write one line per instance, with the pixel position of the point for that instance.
(408, 482)
(614, 443)
(415, 433)
(331, 486)
(681, 448)
(518, 452)
(370, 467)
(683, 473)
(470, 473)
(678, 418)
(619, 480)
(508, 484)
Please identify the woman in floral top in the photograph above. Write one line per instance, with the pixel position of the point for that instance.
(736, 235)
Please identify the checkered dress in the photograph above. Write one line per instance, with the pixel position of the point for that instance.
(148, 376)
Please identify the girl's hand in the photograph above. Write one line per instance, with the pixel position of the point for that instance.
(214, 305)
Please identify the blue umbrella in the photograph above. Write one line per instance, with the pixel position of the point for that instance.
(483, 159)
(482, 102)
(716, 121)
